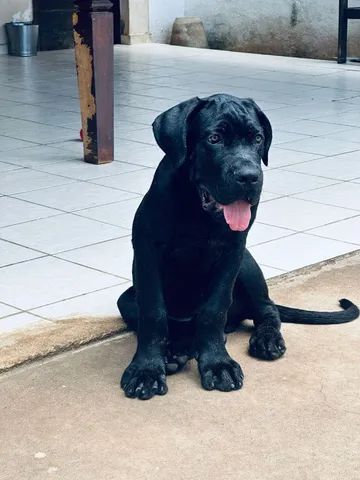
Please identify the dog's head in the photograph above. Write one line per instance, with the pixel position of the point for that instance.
(224, 139)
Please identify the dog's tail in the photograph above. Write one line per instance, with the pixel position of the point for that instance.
(307, 317)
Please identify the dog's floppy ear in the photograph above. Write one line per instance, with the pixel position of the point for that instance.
(171, 128)
(266, 125)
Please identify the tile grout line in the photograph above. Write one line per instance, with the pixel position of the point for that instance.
(55, 255)
(30, 310)
(293, 196)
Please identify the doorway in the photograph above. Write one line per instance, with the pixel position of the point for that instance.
(55, 23)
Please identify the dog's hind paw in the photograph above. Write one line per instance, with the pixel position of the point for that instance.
(267, 343)
(178, 353)
(175, 363)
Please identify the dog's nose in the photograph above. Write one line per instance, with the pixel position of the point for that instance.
(248, 177)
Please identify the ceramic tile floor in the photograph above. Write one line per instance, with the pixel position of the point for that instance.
(65, 225)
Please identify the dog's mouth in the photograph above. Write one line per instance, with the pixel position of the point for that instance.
(236, 214)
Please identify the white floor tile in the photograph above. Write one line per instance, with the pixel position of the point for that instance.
(42, 115)
(139, 115)
(299, 215)
(298, 250)
(6, 310)
(96, 304)
(266, 196)
(147, 156)
(166, 92)
(35, 132)
(76, 196)
(120, 213)
(345, 230)
(142, 101)
(280, 158)
(31, 96)
(321, 146)
(261, 233)
(67, 104)
(305, 110)
(46, 280)
(136, 182)
(60, 233)
(145, 135)
(270, 272)
(11, 253)
(313, 128)
(15, 211)
(127, 146)
(281, 117)
(79, 170)
(282, 136)
(346, 195)
(73, 145)
(6, 167)
(126, 125)
(26, 180)
(7, 143)
(351, 119)
(340, 167)
(287, 183)
(351, 134)
(39, 155)
(22, 321)
(109, 257)
(125, 151)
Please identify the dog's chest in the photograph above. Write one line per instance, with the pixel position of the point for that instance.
(191, 253)
(196, 242)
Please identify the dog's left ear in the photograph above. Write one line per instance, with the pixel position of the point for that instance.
(266, 125)
(171, 128)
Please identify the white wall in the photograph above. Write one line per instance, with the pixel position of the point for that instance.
(9, 8)
(162, 14)
(304, 28)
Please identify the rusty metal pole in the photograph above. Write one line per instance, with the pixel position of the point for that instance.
(94, 53)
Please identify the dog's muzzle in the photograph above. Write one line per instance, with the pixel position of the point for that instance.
(237, 214)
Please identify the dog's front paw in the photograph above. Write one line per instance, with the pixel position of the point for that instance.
(267, 343)
(144, 379)
(222, 374)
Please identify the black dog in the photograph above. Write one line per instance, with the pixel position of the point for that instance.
(193, 277)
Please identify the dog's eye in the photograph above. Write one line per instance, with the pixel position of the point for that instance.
(258, 138)
(214, 138)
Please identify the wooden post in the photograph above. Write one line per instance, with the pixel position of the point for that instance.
(93, 35)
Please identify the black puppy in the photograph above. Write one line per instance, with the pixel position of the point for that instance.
(193, 277)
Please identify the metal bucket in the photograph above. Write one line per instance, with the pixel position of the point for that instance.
(22, 39)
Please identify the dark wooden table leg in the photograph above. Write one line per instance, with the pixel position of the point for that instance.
(94, 45)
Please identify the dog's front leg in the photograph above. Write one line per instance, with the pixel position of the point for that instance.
(145, 376)
(217, 369)
(266, 342)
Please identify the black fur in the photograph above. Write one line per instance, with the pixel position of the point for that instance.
(193, 277)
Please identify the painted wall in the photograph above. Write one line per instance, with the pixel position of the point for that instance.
(162, 14)
(304, 28)
(22, 9)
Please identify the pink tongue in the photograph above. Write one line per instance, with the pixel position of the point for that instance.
(237, 215)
